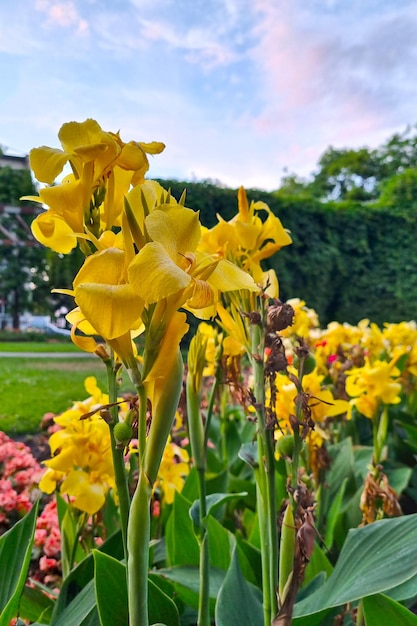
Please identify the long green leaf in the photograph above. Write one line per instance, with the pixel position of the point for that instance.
(161, 608)
(111, 590)
(238, 602)
(333, 514)
(80, 609)
(181, 543)
(187, 583)
(15, 552)
(380, 610)
(35, 605)
(373, 559)
(83, 573)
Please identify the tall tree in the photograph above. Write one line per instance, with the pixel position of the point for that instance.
(345, 174)
(24, 282)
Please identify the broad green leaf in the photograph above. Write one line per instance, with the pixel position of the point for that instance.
(411, 435)
(373, 559)
(250, 561)
(112, 600)
(342, 465)
(161, 608)
(80, 609)
(187, 583)
(405, 591)
(243, 484)
(399, 478)
(35, 605)
(249, 453)
(111, 590)
(219, 544)
(238, 602)
(181, 543)
(333, 514)
(15, 553)
(362, 456)
(379, 610)
(83, 573)
(213, 502)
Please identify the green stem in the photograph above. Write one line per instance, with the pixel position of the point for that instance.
(266, 482)
(380, 429)
(138, 545)
(210, 407)
(118, 458)
(360, 618)
(143, 405)
(264, 540)
(204, 591)
(198, 441)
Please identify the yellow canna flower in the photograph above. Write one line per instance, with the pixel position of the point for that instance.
(372, 385)
(321, 403)
(170, 265)
(90, 200)
(247, 239)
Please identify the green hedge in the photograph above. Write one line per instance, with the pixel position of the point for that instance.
(348, 260)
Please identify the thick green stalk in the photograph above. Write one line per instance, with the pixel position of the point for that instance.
(118, 457)
(266, 482)
(198, 451)
(264, 540)
(204, 595)
(138, 547)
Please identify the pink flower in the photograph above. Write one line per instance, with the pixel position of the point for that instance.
(46, 564)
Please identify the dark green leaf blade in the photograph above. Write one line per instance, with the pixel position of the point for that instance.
(373, 559)
(111, 590)
(15, 552)
(238, 601)
(380, 610)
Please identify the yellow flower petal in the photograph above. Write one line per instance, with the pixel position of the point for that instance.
(154, 274)
(52, 231)
(47, 163)
(113, 309)
(89, 497)
(177, 229)
(228, 277)
(154, 147)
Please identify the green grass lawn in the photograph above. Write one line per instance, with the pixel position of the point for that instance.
(31, 387)
(32, 346)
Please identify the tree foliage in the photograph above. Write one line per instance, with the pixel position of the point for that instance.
(23, 275)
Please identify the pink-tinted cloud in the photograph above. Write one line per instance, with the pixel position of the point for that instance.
(63, 14)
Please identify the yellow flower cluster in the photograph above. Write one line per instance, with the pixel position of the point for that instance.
(81, 462)
(146, 257)
(81, 465)
(247, 240)
(377, 364)
(89, 201)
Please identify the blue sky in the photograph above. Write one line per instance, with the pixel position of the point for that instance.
(239, 90)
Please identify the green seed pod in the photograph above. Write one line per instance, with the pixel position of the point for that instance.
(285, 446)
(122, 433)
(309, 363)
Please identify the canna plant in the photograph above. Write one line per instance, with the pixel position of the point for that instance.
(293, 456)
(142, 266)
